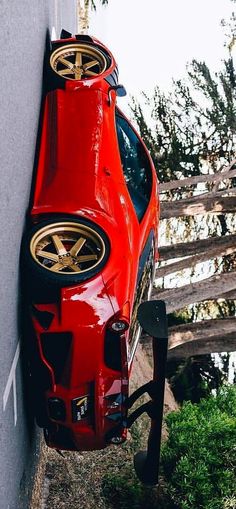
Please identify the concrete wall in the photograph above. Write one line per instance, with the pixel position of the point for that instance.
(23, 27)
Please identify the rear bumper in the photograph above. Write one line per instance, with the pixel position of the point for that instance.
(82, 399)
(92, 416)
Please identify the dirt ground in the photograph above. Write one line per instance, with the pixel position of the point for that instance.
(100, 479)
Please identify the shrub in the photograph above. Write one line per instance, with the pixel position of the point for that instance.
(199, 458)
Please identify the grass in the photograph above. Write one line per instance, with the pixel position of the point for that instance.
(103, 479)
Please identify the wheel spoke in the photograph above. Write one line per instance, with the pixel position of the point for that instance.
(90, 64)
(64, 72)
(61, 250)
(65, 62)
(90, 73)
(77, 246)
(78, 58)
(78, 74)
(48, 256)
(86, 258)
(75, 268)
(56, 267)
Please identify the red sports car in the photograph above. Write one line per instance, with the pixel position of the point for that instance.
(89, 250)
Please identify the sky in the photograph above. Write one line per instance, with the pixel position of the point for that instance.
(153, 40)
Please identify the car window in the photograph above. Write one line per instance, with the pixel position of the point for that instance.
(136, 166)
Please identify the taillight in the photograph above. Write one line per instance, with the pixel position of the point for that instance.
(114, 353)
(120, 322)
(119, 326)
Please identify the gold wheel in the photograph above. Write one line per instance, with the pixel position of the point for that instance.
(78, 61)
(67, 248)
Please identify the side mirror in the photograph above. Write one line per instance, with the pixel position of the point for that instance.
(120, 92)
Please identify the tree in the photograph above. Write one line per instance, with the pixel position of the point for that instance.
(228, 173)
(194, 378)
(195, 126)
(231, 30)
(93, 3)
(83, 10)
(103, 2)
(213, 203)
(178, 298)
(205, 330)
(202, 256)
(192, 141)
(182, 249)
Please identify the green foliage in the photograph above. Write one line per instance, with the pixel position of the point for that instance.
(195, 378)
(124, 491)
(121, 488)
(192, 131)
(194, 125)
(179, 317)
(199, 459)
(93, 3)
(230, 29)
(214, 309)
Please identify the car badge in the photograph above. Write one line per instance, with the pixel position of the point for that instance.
(80, 407)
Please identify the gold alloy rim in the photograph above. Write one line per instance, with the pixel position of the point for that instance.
(78, 61)
(67, 248)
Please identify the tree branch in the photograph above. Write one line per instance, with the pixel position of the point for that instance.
(191, 261)
(215, 344)
(203, 330)
(198, 205)
(219, 177)
(198, 246)
(210, 288)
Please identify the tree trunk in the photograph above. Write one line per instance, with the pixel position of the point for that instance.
(82, 16)
(210, 288)
(198, 246)
(203, 330)
(229, 295)
(220, 171)
(216, 177)
(193, 260)
(200, 204)
(216, 344)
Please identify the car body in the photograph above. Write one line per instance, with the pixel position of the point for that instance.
(89, 250)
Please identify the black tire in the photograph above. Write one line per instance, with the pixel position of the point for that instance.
(87, 52)
(38, 278)
(53, 81)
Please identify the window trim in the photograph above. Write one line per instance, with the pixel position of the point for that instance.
(139, 212)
